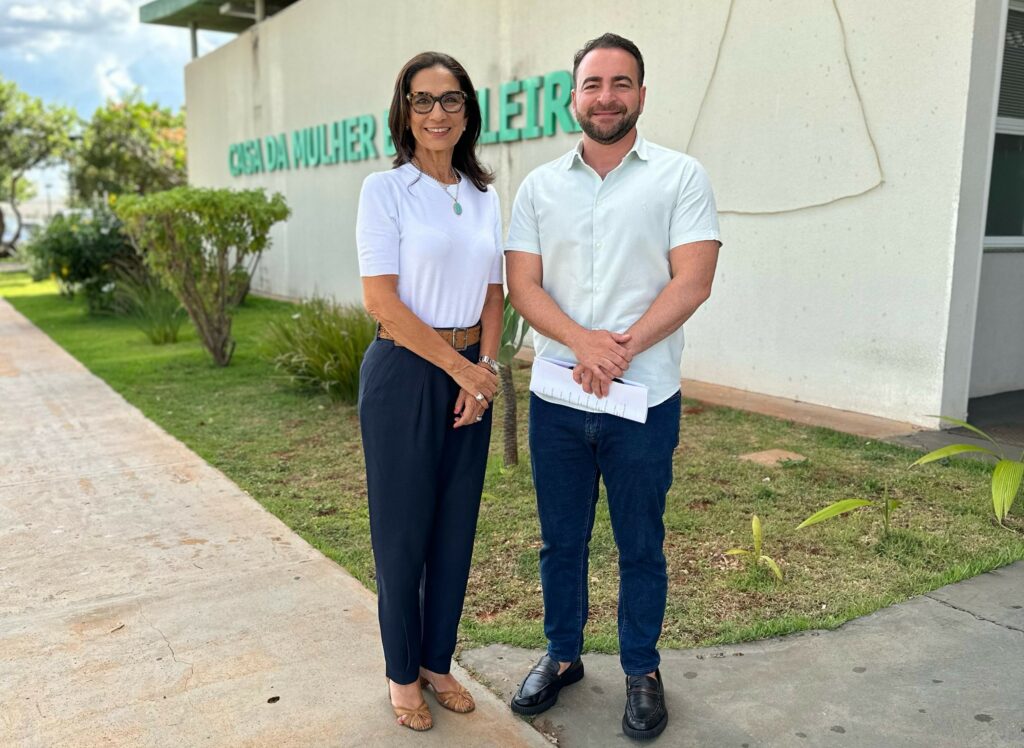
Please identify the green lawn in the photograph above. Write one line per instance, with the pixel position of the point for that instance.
(298, 454)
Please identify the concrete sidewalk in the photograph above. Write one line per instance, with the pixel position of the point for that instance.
(942, 670)
(145, 600)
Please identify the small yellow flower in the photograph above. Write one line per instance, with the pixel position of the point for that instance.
(64, 270)
(112, 199)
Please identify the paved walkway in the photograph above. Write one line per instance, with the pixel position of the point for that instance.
(145, 600)
(945, 670)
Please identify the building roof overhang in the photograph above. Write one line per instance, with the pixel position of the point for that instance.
(209, 15)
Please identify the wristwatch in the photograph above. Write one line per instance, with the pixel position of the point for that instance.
(490, 363)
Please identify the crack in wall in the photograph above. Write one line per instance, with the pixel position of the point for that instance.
(856, 92)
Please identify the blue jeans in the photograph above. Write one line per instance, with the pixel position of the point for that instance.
(570, 451)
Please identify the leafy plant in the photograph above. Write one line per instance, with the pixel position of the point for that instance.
(322, 346)
(80, 251)
(755, 554)
(513, 333)
(1006, 477)
(129, 146)
(885, 505)
(204, 245)
(32, 134)
(156, 311)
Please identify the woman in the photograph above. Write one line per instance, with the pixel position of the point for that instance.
(429, 240)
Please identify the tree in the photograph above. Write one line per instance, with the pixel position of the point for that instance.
(129, 147)
(31, 134)
(203, 245)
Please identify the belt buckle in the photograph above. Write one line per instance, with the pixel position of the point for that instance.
(455, 336)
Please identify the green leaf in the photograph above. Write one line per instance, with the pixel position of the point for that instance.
(952, 449)
(755, 525)
(832, 510)
(969, 427)
(773, 566)
(895, 503)
(1006, 480)
(737, 552)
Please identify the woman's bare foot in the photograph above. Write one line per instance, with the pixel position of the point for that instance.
(410, 709)
(440, 682)
(408, 696)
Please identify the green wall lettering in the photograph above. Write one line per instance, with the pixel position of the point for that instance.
(351, 139)
(530, 87)
(557, 90)
(314, 144)
(336, 142)
(298, 149)
(507, 109)
(543, 102)
(367, 131)
(487, 135)
(277, 152)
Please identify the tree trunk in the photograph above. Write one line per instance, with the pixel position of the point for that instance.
(17, 214)
(4, 250)
(509, 421)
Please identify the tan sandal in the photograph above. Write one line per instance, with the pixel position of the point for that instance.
(459, 700)
(418, 719)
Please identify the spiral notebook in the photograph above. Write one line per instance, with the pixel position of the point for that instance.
(553, 380)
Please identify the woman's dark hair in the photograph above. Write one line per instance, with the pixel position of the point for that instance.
(464, 159)
(610, 41)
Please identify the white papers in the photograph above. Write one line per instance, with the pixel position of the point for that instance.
(553, 379)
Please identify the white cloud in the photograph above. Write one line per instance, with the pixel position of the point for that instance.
(81, 52)
(28, 13)
(113, 78)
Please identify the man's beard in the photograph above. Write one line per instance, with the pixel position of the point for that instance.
(614, 135)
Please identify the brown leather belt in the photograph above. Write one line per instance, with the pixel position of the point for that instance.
(459, 338)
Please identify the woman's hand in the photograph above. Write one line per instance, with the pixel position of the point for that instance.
(474, 379)
(468, 410)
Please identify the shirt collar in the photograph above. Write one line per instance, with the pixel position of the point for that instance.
(576, 154)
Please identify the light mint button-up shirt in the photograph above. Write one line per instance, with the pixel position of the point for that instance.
(604, 244)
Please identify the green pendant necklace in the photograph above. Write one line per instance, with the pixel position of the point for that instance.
(456, 205)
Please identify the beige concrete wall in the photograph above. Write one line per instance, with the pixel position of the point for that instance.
(833, 131)
(998, 364)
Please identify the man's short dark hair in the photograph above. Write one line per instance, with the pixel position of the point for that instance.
(609, 41)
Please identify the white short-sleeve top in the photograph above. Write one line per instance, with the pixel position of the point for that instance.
(406, 226)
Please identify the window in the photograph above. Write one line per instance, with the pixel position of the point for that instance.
(1004, 225)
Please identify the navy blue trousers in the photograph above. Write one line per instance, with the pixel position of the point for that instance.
(424, 480)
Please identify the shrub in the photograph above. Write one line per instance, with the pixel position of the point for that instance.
(204, 245)
(322, 346)
(80, 250)
(156, 311)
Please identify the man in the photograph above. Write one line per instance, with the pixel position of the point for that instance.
(611, 248)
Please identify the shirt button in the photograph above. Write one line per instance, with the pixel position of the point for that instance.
(598, 245)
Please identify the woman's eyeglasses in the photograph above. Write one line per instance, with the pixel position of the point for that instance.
(423, 102)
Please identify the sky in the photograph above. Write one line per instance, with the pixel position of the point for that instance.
(82, 52)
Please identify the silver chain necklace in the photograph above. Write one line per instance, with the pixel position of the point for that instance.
(456, 205)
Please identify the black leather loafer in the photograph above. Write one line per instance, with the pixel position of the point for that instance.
(539, 690)
(646, 715)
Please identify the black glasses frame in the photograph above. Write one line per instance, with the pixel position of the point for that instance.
(437, 100)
